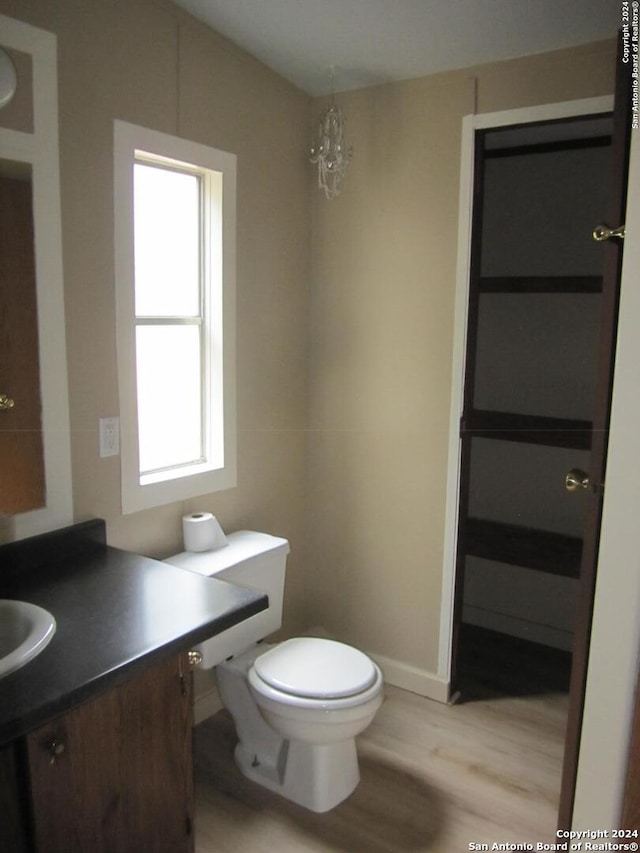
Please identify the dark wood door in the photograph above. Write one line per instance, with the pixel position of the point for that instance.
(115, 774)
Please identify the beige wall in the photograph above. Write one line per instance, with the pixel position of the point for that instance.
(382, 313)
(344, 376)
(148, 63)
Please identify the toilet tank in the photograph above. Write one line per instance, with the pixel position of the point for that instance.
(250, 559)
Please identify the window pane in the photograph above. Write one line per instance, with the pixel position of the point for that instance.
(169, 396)
(167, 242)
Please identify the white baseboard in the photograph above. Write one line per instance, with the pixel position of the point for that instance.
(413, 679)
(398, 674)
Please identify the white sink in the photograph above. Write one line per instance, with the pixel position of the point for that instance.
(25, 630)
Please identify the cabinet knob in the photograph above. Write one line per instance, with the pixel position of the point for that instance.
(195, 657)
(55, 748)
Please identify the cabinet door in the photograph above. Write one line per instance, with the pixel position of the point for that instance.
(115, 774)
(13, 822)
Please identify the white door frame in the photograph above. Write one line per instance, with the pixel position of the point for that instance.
(610, 693)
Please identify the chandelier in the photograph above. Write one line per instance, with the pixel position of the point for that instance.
(330, 150)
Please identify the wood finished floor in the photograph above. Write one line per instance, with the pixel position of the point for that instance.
(434, 777)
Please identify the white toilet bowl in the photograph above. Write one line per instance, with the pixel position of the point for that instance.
(298, 707)
(317, 691)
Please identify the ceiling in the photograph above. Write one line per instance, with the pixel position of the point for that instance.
(377, 41)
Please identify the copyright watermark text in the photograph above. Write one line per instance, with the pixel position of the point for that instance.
(584, 841)
(629, 16)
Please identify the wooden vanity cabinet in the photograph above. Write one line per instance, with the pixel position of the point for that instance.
(115, 774)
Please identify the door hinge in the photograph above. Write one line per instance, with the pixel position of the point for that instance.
(603, 232)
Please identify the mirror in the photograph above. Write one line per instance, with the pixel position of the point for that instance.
(29, 170)
(22, 486)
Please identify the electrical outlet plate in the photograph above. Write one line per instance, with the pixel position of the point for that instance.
(109, 437)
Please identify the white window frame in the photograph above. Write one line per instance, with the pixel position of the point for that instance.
(219, 469)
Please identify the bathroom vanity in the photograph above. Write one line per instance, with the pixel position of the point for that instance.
(95, 732)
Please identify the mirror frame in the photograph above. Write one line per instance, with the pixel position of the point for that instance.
(41, 149)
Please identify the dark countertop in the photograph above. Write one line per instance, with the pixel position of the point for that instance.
(117, 613)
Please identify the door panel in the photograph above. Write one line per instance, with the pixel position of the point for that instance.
(529, 382)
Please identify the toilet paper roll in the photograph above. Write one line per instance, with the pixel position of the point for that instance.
(202, 532)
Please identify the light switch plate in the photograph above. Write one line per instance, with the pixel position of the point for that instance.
(109, 437)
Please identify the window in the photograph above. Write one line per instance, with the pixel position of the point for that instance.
(175, 268)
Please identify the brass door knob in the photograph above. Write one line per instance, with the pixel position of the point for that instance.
(575, 480)
(6, 402)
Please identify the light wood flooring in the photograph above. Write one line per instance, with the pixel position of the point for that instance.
(434, 778)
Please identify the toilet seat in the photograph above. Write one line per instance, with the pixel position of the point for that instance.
(315, 668)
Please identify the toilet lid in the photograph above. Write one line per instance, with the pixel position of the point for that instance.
(315, 668)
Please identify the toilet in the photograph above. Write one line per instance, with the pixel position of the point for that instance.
(297, 705)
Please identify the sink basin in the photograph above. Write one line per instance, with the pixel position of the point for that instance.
(25, 630)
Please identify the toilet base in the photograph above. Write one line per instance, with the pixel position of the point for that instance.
(316, 776)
